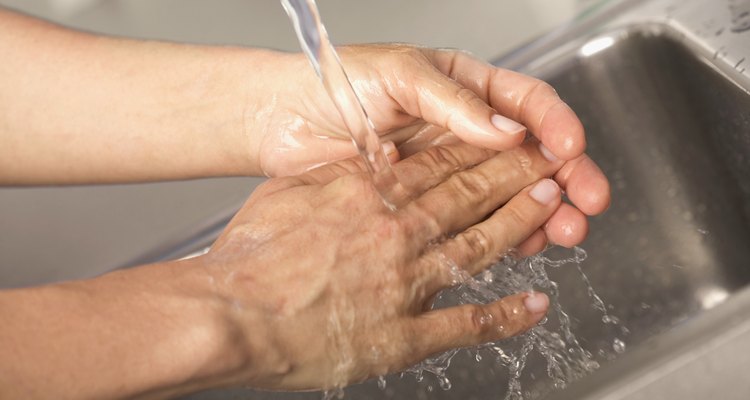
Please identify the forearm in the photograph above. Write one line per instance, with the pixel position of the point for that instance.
(79, 108)
(149, 332)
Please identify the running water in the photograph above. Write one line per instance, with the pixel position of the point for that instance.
(566, 359)
(553, 340)
(317, 47)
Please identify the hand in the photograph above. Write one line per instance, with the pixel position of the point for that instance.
(419, 97)
(328, 287)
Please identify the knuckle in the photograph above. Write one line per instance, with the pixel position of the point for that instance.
(477, 243)
(514, 217)
(389, 285)
(468, 96)
(473, 182)
(353, 193)
(422, 221)
(539, 89)
(411, 54)
(505, 321)
(524, 163)
(442, 158)
(479, 321)
(545, 89)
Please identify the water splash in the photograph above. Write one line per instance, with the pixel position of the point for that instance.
(566, 359)
(618, 346)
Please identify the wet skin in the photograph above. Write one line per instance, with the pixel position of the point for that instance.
(308, 248)
(419, 97)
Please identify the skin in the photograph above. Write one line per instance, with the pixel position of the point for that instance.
(309, 247)
(252, 312)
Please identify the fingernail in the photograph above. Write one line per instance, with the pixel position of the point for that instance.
(545, 191)
(536, 302)
(389, 147)
(546, 153)
(507, 125)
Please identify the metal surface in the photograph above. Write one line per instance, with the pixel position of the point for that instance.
(662, 91)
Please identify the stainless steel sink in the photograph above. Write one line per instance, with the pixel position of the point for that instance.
(662, 91)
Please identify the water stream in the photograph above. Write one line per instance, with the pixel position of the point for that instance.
(317, 47)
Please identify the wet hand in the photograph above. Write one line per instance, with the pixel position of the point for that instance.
(418, 97)
(325, 286)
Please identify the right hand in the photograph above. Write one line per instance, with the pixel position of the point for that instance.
(324, 286)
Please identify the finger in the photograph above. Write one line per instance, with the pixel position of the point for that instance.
(522, 98)
(534, 244)
(440, 100)
(468, 196)
(536, 105)
(567, 227)
(477, 247)
(327, 173)
(428, 136)
(470, 325)
(585, 185)
(434, 165)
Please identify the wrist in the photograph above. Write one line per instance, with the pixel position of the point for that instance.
(219, 355)
(250, 354)
(254, 104)
(188, 337)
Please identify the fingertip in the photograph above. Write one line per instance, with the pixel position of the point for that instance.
(568, 226)
(563, 133)
(588, 188)
(545, 192)
(595, 202)
(536, 303)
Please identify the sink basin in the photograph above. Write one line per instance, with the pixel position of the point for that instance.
(670, 126)
(672, 133)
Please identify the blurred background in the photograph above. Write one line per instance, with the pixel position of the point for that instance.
(49, 234)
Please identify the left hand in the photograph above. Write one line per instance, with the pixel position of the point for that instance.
(418, 97)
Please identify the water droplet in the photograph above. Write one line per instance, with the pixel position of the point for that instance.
(619, 346)
(381, 382)
(337, 393)
(478, 357)
(445, 383)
